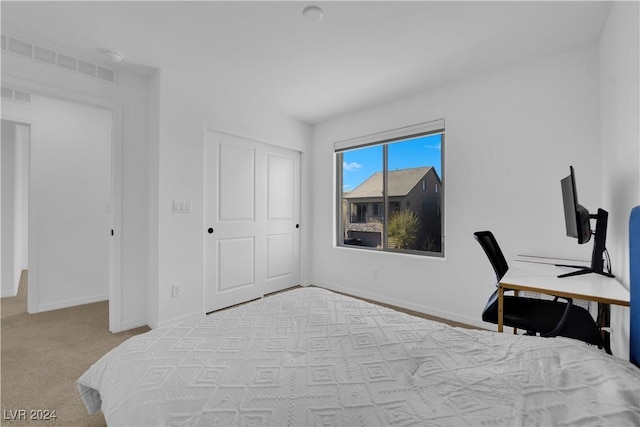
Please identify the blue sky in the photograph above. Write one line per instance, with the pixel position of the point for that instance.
(360, 164)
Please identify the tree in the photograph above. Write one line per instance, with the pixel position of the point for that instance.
(403, 229)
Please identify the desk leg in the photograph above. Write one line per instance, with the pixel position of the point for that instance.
(604, 320)
(515, 293)
(500, 308)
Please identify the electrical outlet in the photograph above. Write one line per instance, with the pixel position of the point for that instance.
(374, 273)
(176, 290)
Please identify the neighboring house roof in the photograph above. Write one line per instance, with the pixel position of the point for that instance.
(401, 182)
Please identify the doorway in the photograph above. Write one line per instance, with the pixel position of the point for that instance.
(69, 201)
(14, 153)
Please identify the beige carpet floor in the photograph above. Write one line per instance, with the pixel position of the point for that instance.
(42, 355)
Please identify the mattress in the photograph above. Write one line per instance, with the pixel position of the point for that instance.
(313, 357)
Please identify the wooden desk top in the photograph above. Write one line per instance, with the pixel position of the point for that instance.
(541, 275)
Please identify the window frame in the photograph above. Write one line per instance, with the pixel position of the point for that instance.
(384, 139)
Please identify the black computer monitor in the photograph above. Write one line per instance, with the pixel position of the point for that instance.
(578, 225)
(576, 217)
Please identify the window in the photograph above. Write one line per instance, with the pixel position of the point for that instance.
(389, 194)
(361, 212)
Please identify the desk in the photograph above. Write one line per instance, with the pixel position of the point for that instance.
(537, 274)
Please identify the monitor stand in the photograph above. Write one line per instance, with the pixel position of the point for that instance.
(583, 270)
(599, 247)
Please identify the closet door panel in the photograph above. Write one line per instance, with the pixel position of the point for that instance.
(234, 228)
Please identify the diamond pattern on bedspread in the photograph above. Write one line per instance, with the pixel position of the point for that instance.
(313, 357)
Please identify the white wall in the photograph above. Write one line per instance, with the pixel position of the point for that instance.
(131, 93)
(620, 135)
(180, 151)
(510, 137)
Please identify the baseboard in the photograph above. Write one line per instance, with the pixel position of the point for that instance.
(410, 306)
(133, 324)
(176, 320)
(13, 292)
(72, 303)
(4, 293)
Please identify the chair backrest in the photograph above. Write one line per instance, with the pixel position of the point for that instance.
(493, 251)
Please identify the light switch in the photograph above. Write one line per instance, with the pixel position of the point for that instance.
(182, 206)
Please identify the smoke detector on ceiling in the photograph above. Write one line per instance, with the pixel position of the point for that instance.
(113, 55)
(313, 13)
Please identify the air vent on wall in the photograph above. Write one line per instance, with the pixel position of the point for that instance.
(21, 96)
(39, 53)
(16, 95)
(67, 62)
(87, 68)
(45, 55)
(106, 74)
(20, 47)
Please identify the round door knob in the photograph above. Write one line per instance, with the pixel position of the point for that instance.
(297, 225)
(210, 230)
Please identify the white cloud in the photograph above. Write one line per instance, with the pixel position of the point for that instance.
(353, 166)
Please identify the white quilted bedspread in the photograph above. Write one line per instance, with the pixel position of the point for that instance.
(310, 357)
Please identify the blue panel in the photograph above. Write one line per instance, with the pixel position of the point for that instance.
(634, 261)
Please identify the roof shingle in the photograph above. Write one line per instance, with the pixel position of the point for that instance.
(400, 183)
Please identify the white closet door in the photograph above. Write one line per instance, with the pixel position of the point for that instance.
(234, 224)
(251, 220)
(282, 213)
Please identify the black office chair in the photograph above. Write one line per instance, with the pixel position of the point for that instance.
(548, 318)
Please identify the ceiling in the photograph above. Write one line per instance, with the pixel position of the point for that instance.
(362, 53)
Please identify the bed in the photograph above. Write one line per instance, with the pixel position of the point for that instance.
(313, 357)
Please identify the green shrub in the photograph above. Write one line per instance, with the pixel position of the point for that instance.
(403, 229)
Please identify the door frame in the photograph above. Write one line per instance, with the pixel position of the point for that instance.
(115, 211)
